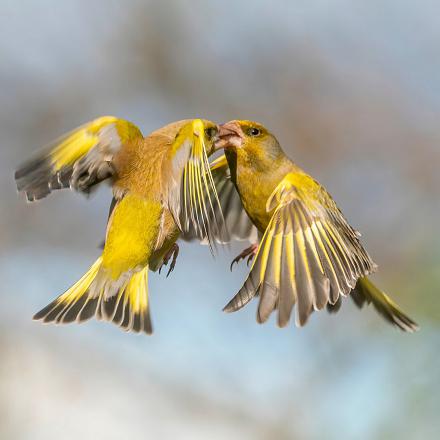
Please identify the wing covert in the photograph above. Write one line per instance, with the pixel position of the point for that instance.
(79, 159)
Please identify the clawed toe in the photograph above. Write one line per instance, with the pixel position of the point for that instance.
(172, 253)
(249, 252)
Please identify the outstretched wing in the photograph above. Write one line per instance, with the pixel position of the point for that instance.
(192, 196)
(309, 254)
(79, 159)
(238, 224)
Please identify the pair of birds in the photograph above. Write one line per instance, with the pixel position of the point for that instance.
(164, 187)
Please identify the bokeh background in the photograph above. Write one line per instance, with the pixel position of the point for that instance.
(352, 90)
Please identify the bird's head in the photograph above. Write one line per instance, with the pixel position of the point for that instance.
(210, 135)
(249, 141)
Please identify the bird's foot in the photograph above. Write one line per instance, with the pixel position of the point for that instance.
(249, 252)
(172, 253)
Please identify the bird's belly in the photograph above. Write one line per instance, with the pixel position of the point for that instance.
(132, 234)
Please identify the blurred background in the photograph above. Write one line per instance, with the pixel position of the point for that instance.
(352, 90)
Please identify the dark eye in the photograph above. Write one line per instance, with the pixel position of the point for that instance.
(210, 132)
(253, 131)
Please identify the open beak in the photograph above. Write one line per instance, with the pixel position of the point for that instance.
(230, 135)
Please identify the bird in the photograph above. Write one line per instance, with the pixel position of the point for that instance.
(308, 255)
(160, 183)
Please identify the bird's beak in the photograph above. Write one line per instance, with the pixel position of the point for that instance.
(230, 135)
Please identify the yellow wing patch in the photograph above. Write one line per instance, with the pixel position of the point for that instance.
(192, 195)
(308, 256)
(78, 142)
(219, 163)
(79, 159)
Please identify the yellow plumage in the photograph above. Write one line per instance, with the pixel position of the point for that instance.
(82, 140)
(127, 308)
(131, 235)
(309, 256)
(149, 176)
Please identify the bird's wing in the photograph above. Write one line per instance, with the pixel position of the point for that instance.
(191, 194)
(238, 223)
(79, 159)
(309, 254)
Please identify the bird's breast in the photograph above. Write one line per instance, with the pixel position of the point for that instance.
(254, 193)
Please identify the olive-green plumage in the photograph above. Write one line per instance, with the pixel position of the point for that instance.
(309, 256)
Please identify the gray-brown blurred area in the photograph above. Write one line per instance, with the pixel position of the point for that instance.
(352, 90)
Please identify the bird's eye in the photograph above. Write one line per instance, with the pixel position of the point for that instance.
(210, 132)
(253, 131)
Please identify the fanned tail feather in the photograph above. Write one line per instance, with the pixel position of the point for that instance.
(366, 292)
(128, 307)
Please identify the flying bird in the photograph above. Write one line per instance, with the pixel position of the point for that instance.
(162, 187)
(309, 256)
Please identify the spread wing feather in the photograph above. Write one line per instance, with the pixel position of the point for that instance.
(309, 254)
(192, 196)
(79, 159)
(238, 225)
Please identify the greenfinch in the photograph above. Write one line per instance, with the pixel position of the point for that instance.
(308, 256)
(162, 187)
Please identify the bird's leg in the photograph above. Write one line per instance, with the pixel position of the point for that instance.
(173, 252)
(249, 252)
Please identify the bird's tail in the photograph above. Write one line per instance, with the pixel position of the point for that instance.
(123, 302)
(366, 292)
